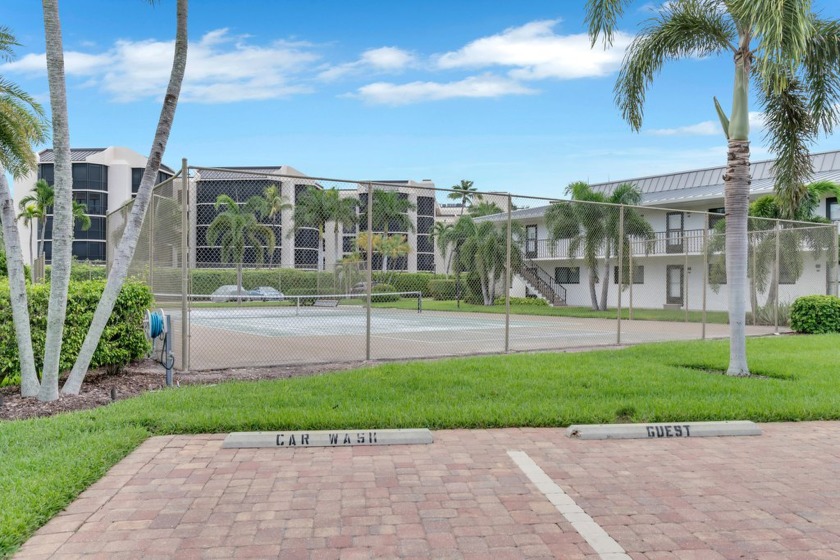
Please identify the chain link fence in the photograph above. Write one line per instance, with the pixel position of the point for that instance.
(270, 268)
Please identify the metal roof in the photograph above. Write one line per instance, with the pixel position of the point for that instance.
(708, 183)
(243, 173)
(76, 154)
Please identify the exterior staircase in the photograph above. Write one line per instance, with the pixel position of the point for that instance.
(543, 283)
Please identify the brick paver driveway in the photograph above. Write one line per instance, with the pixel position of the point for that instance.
(767, 497)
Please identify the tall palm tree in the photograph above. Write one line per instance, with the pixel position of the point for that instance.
(583, 223)
(28, 216)
(131, 236)
(316, 207)
(793, 57)
(40, 204)
(42, 198)
(591, 223)
(62, 234)
(390, 212)
(236, 228)
(466, 193)
(439, 235)
(392, 247)
(275, 204)
(484, 252)
(22, 124)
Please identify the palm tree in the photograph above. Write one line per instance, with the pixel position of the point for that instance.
(484, 252)
(22, 124)
(275, 204)
(484, 208)
(466, 193)
(42, 198)
(28, 216)
(236, 228)
(793, 57)
(591, 223)
(439, 235)
(131, 236)
(62, 235)
(390, 212)
(393, 247)
(316, 207)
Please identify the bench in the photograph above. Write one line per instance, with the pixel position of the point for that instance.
(325, 303)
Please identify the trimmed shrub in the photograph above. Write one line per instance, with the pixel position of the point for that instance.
(386, 293)
(409, 281)
(442, 289)
(537, 302)
(206, 280)
(815, 314)
(122, 340)
(80, 270)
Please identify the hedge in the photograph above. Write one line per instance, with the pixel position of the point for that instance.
(441, 289)
(122, 340)
(293, 281)
(82, 271)
(537, 302)
(815, 314)
(385, 290)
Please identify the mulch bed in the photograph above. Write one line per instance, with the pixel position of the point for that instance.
(139, 378)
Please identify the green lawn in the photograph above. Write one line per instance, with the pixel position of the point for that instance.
(45, 463)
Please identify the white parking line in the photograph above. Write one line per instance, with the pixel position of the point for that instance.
(600, 541)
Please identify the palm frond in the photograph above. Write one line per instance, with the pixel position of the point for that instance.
(820, 75)
(790, 130)
(781, 27)
(601, 18)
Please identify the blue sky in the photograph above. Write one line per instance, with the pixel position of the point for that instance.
(506, 94)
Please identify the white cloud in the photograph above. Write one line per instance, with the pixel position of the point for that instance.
(220, 68)
(476, 86)
(383, 59)
(707, 128)
(534, 52)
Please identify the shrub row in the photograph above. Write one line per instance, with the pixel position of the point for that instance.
(80, 271)
(815, 314)
(537, 302)
(122, 341)
(294, 282)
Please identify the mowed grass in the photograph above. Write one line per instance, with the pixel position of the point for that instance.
(45, 463)
(679, 315)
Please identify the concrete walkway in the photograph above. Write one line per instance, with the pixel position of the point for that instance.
(770, 497)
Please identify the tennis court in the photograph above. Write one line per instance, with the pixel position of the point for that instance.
(263, 336)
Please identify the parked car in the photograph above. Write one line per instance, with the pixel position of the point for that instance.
(265, 293)
(229, 292)
(361, 288)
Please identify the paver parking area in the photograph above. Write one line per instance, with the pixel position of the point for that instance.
(768, 497)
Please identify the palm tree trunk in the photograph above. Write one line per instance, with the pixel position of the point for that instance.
(31, 251)
(29, 384)
(605, 284)
(62, 234)
(239, 281)
(593, 295)
(131, 235)
(338, 250)
(737, 188)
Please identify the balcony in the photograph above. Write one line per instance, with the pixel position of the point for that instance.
(663, 243)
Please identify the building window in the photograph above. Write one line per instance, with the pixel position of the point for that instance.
(832, 209)
(716, 215)
(567, 274)
(425, 206)
(638, 275)
(425, 263)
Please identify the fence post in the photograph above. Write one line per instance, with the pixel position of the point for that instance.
(620, 271)
(369, 278)
(705, 276)
(835, 260)
(507, 275)
(776, 281)
(753, 301)
(185, 266)
(686, 286)
(630, 308)
(152, 242)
